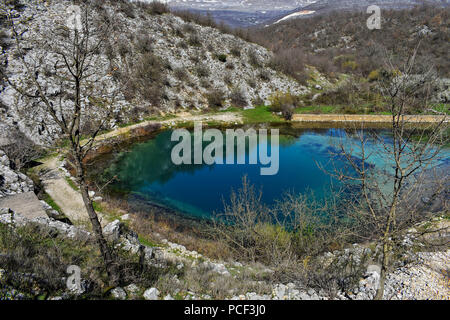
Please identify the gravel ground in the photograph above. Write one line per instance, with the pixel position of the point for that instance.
(427, 279)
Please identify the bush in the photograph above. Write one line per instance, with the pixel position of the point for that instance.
(228, 79)
(178, 32)
(238, 97)
(252, 83)
(22, 150)
(35, 258)
(128, 9)
(236, 50)
(290, 62)
(3, 40)
(181, 74)
(295, 228)
(194, 40)
(182, 44)
(144, 44)
(229, 66)
(281, 101)
(35, 263)
(215, 98)
(258, 101)
(253, 59)
(264, 75)
(157, 8)
(221, 57)
(188, 28)
(146, 78)
(374, 75)
(287, 112)
(202, 71)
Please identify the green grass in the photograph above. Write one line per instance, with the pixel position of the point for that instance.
(147, 242)
(259, 115)
(51, 203)
(317, 109)
(72, 184)
(97, 207)
(442, 107)
(161, 118)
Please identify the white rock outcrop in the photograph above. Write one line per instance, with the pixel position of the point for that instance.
(12, 182)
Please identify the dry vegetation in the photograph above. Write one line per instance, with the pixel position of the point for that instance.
(340, 42)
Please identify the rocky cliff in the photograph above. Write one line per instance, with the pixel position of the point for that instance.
(154, 63)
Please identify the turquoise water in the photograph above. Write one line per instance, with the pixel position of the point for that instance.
(199, 190)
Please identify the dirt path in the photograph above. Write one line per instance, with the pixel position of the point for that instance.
(229, 117)
(56, 186)
(363, 118)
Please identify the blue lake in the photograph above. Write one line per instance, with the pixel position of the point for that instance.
(146, 170)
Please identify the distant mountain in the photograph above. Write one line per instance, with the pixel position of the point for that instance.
(321, 7)
(237, 5)
(239, 13)
(246, 13)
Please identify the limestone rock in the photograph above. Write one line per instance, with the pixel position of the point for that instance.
(151, 294)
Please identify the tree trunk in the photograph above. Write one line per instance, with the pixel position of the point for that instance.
(105, 251)
(384, 264)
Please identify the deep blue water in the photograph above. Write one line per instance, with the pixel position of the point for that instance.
(147, 170)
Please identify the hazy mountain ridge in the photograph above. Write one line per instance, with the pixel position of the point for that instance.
(325, 6)
(237, 5)
(253, 12)
(239, 13)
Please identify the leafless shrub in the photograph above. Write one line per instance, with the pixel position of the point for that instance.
(128, 9)
(194, 40)
(238, 97)
(390, 198)
(253, 59)
(189, 28)
(155, 8)
(277, 236)
(22, 150)
(252, 83)
(230, 66)
(265, 75)
(144, 44)
(215, 98)
(228, 79)
(236, 50)
(202, 71)
(181, 74)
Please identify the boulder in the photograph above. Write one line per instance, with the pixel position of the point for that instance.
(112, 230)
(12, 182)
(151, 294)
(132, 290)
(118, 293)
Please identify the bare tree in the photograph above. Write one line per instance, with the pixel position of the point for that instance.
(63, 81)
(406, 184)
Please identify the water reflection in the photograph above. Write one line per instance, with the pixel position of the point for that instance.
(146, 171)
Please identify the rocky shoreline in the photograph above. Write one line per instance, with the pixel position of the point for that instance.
(425, 276)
